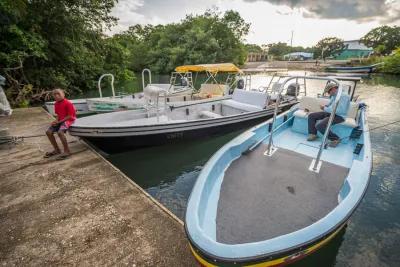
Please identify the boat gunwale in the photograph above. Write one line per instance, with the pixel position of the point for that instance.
(263, 256)
(75, 128)
(260, 258)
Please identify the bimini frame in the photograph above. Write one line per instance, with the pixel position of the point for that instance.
(212, 70)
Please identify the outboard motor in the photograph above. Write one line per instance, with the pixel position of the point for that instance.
(240, 84)
(292, 89)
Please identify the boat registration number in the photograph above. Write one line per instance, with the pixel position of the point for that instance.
(175, 135)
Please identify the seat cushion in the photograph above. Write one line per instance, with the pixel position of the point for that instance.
(207, 89)
(301, 113)
(350, 122)
(240, 106)
(353, 110)
(253, 98)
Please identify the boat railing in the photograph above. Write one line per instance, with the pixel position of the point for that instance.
(112, 84)
(316, 163)
(153, 97)
(143, 79)
(186, 81)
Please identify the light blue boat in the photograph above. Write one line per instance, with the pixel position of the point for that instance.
(357, 69)
(269, 197)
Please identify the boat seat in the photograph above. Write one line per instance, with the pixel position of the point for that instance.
(244, 101)
(350, 122)
(211, 90)
(344, 129)
(209, 114)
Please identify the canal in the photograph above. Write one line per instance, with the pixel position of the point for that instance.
(372, 237)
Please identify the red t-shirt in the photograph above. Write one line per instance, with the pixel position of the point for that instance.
(64, 108)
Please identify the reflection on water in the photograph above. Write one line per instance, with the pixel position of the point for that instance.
(372, 237)
(169, 172)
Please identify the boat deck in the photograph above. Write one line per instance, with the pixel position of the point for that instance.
(264, 197)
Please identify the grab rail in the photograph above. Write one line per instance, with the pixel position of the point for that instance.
(149, 72)
(315, 164)
(112, 84)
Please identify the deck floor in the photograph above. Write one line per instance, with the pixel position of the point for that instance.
(78, 212)
(264, 197)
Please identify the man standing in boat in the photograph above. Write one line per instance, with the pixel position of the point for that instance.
(323, 116)
(66, 115)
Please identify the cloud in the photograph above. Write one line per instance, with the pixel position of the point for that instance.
(131, 12)
(358, 10)
(126, 12)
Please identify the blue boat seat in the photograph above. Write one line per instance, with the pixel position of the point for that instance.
(343, 130)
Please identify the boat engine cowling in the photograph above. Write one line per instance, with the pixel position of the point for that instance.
(292, 89)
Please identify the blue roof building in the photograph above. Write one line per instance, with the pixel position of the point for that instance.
(298, 56)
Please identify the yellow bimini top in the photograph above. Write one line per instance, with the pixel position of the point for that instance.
(212, 68)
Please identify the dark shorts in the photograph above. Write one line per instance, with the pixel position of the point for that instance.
(62, 127)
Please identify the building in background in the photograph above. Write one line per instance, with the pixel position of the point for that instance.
(298, 56)
(257, 56)
(354, 49)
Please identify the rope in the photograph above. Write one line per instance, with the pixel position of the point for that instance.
(375, 128)
(16, 139)
(384, 125)
(20, 138)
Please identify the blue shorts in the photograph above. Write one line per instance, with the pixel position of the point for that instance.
(61, 127)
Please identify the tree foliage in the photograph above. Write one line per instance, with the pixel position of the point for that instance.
(280, 49)
(392, 63)
(45, 44)
(253, 48)
(328, 47)
(383, 39)
(207, 38)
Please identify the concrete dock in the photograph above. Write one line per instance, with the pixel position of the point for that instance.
(79, 211)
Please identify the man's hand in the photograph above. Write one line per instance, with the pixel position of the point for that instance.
(322, 107)
(54, 123)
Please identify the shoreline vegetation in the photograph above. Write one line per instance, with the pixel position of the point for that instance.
(48, 44)
(391, 63)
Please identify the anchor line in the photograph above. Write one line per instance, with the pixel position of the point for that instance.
(15, 139)
(375, 128)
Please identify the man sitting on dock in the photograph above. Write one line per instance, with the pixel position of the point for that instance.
(323, 116)
(66, 115)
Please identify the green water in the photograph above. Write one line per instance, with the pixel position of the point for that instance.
(372, 237)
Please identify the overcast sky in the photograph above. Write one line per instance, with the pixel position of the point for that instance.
(272, 20)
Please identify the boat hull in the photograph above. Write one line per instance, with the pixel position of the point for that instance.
(164, 135)
(279, 259)
(80, 105)
(363, 69)
(203, 214)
